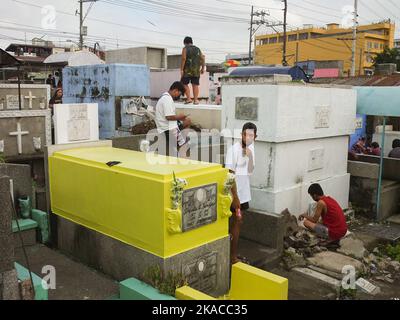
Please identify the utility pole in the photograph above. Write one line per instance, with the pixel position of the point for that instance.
(353, 51)
(81, 20)
(259, 22)
(284, 62)
(81, 25)
(251, 34)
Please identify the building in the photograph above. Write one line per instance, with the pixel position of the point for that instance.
(397, 43)
(154, 58)
(329, 43)
(242, 58)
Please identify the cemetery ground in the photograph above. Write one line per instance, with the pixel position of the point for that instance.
(77, 281)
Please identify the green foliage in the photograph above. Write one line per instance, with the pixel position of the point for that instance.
(393, 251)
(2, 159)
(347, 294)
(388, 56)
(165, 283)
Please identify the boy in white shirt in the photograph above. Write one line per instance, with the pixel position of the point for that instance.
(240, 160)
(167, 120)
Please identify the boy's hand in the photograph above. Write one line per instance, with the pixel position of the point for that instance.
(249, 153)
(181, 117)
(236, 203)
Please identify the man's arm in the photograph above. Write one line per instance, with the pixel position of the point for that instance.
(321, 206)
(183, 61)
(179, 117)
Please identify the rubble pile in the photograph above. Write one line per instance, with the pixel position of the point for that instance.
(303, 249)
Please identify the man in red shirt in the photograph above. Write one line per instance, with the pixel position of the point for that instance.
(334, 226)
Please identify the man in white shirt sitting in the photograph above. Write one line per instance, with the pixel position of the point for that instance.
(167, 120)
(240, 160)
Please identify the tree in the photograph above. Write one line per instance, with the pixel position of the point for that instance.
(388, 56)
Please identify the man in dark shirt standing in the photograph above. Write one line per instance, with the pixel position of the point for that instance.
(192, 66)
(395, 153)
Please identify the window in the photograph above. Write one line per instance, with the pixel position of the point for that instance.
(281, 38)
(273, 40)
(369, 45)
(376, 45)
(303, 36)
(293, 37)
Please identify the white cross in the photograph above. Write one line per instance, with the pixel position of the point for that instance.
(19, 135)
(30, 97)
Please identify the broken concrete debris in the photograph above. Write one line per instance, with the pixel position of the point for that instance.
(352, 247)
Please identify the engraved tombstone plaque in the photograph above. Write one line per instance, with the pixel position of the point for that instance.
(201, 273)
(246, 109)
(199, 207)
(78, 124)
(13, 103)
(316, 160)
(322, 117)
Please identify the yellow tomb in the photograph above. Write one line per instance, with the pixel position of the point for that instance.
(164, 209)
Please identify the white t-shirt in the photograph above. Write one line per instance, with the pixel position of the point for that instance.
(165, 107)
(238, 163)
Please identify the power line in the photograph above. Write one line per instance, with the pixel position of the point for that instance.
(133, 27)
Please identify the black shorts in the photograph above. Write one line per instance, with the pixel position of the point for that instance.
(193, 80)
(168, 144)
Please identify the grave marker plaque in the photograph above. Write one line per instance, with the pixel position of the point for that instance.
(322, 117)
(202, 272)
(199, 207)
(78, 124)
(246, 109)
(13, 103)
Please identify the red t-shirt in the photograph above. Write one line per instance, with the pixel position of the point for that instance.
(334, 219)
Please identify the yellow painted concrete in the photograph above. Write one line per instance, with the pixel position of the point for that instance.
(247, 283)
(331, 43)
(188, 293)
(131, 201)
(250, 283)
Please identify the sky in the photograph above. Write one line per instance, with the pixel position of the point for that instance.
(218, 27)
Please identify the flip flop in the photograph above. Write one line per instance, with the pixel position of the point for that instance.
(188, 102)
(196, 102)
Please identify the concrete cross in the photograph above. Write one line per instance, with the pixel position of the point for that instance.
(30, 97)
(19, 135)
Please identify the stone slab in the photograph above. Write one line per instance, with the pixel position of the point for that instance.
(332, 282)
(352, 247)
(383, 232)
(334, 262)
(394, 219)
